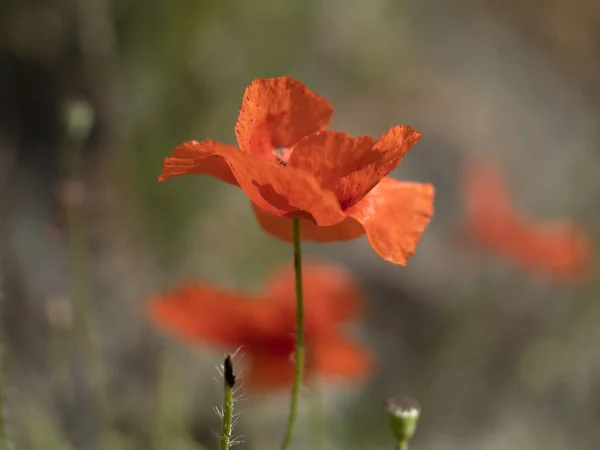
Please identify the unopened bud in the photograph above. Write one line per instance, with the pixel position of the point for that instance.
(403, 414)
(79, 119)
(228, 372)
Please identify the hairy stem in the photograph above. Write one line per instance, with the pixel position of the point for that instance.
(299, 357)
(228, 383)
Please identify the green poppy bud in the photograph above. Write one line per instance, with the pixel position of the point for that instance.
(403, 414)
(79, 118)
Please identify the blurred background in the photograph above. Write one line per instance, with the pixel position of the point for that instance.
(94, 93)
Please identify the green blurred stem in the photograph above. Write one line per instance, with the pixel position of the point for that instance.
(225, 440)
(87, 336)
(402, 445)
(3, 440)
(317, 418)
(57, 353)
(82, 308)
(299, 357)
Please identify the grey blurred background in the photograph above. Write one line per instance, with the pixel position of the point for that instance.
(499, 358)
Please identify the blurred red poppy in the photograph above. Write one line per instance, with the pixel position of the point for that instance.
(290, 167)
(263, 325)
(558, 248)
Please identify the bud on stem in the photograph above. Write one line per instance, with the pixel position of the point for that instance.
(403, 414)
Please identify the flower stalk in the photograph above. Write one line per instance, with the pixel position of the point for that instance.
(3, 438)
(317, 416)
(299, 355)
(79, 120)
(402, 445)
(227, 416)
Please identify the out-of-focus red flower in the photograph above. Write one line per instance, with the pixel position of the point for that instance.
(290, 167)
(558, 248)
(264, 324)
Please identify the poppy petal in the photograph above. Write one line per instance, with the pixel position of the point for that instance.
(394, 215)
(268, 372)
(284, 191)
(278, 112)
(351, 167)
(281, 228)
(337, 358)
(204, 313)
(281, 191)
(199, 158)
(330, 294)
(571, 256)
(490, 215)
(558, 248)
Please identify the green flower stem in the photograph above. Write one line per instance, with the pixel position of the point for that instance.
(402, 445)
(225, 440)
(79, 119)
(299, 357)
(89, 339)
(3, 439)
(317, 418)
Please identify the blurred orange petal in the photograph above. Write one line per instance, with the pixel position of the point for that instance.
(561, 249)
(278, 112)
(280, 191)
(574, 259)
(281, 228)
(558, 248)
(351, 167)
(264, 325)
(486, 187)
(394, 215)
(336, 357)
(486, 200)
(267, 371)
(330, 294)
(199, 312)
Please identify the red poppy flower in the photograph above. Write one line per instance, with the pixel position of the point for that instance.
(264, 324)
(559, 248)
(290, 167)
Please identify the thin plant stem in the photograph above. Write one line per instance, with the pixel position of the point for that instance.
(89, 344)
(3, 438)
(317, 417)
(227, 426)
(162, 388)
(402, 445)
(167, 421)
(88, 335)
(299, 356)
(5, 171)
(224, 441)
(57, 354)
